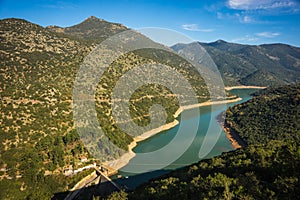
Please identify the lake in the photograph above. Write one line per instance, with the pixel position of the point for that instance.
(209, 135)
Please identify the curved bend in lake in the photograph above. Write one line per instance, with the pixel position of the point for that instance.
(207, 123)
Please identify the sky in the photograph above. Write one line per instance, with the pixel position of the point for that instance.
(238, 21)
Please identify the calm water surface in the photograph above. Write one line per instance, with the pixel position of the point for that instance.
(205, 118)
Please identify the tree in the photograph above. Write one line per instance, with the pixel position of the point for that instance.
(122, 195)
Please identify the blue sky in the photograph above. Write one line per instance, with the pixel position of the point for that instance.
(240, 21)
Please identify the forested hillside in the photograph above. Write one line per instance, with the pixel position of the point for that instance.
(37, 134)
(261, 65)
(38, 139)
(266, 169)
(273, 113)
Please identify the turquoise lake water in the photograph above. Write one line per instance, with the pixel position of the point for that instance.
(173, 150)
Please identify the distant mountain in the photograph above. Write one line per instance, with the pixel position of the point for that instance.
(225, 46)
(91, 29)
(261, 78)
(262, 65)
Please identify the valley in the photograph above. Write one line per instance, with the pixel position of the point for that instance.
(40, 144)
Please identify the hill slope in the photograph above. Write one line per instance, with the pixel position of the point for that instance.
(273, 113)
(242, 64)
(37, 133)
(266, 169)
(38, 139)
(91, 29)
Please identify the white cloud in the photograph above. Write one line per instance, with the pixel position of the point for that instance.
(244, 18)
(241, 17)
(60, 5)
(246, 38)
(247, 19)
(190, 27)
(267, 34)
(260, 5)
(207, 30)
(226, 15)
(194, 27)
(254, 38)
(251, 11)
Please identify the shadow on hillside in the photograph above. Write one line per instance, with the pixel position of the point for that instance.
(105, 188)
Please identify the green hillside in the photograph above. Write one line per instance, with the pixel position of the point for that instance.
(232, 67)
(261, 78)
(261, 65)
(38, 139)
(225, 46)
(273, 114)
(91, 29)
(266, 169)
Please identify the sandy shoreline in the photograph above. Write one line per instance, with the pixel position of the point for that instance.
(124, 159)
(233, 137)
(207, 103)
(244, 87)
(235, 141)
(232, 140)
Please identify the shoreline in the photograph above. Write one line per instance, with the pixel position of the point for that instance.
(207, 103)
(125, 158)
(235, 143)
(233, 137)
(235, 140)
(244, 87)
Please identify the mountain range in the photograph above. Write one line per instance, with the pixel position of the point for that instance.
(261, 65)
(39, 140)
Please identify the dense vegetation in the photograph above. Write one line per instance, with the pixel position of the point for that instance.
(38, 139)
(273, 113)
(262, 65)
(267, 171)
(40, 186)
(268, 168)
(146, 96)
